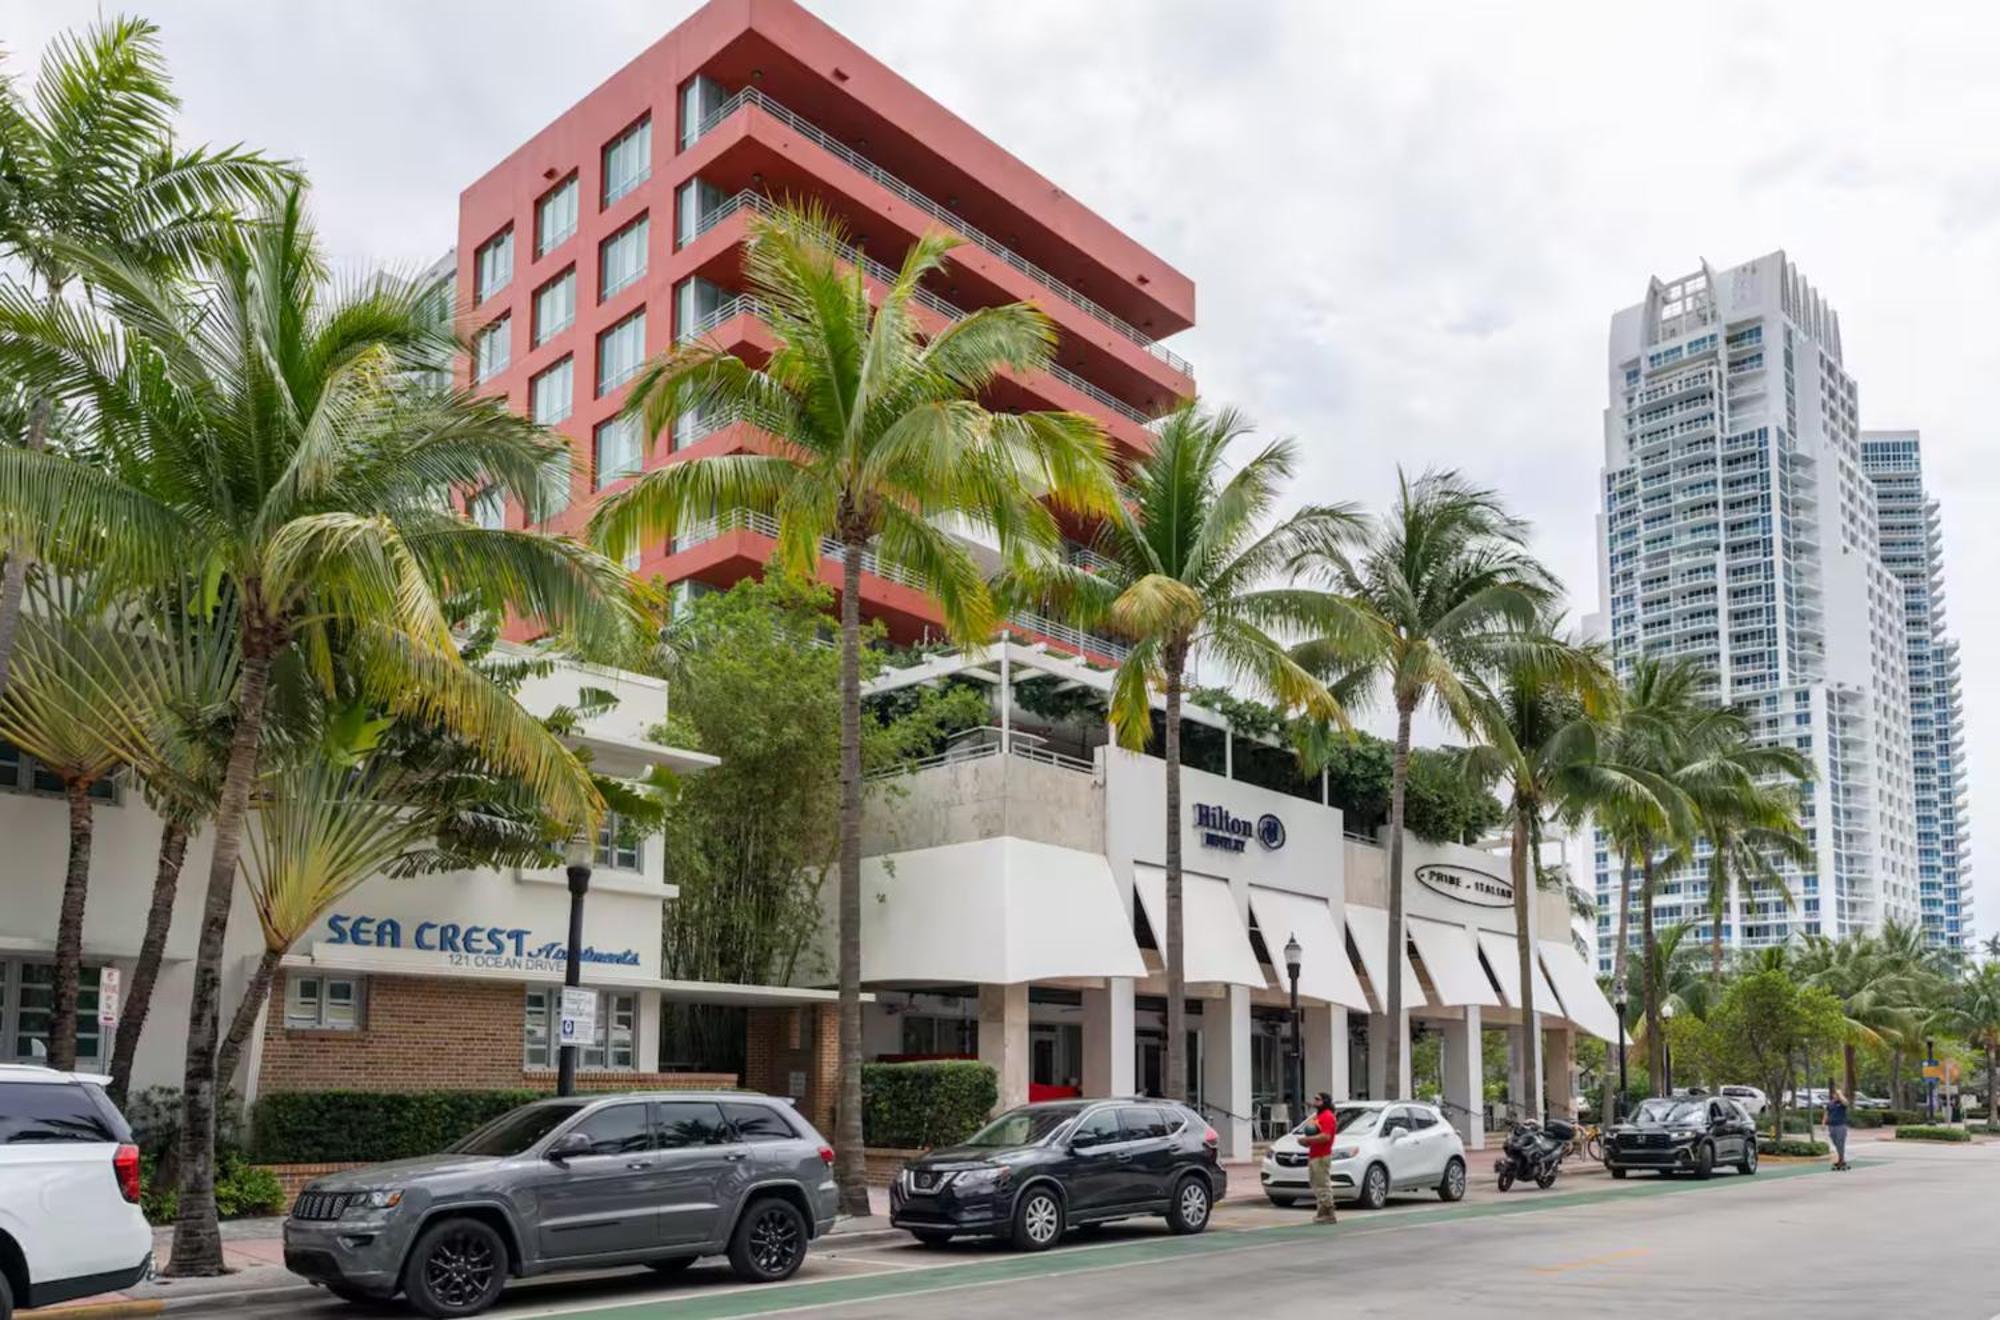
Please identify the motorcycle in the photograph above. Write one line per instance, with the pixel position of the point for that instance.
(1534, 1150)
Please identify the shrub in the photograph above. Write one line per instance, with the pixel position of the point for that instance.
(1798, 1123)
(1897, 1117)
(242, 1190)
(1864, 1118)
(1931, 1132)
(364, 1127)
(925, 1104)
(1791, 1146)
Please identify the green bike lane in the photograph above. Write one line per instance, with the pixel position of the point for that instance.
(919, 1272)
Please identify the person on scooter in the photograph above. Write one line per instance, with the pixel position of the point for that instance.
(1319, 1156)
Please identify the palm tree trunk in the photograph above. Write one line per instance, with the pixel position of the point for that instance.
(850, 1159)
(1392, 994)
(1618, 968)
(197, 1236)
(1847, 1068)
(1524, 939)
(1715, 918)
(69, 929)
(245, 1018)
(1656, 1036)
(14, 571)
(152, 949)
(1176, 1078)
(1992, 1091)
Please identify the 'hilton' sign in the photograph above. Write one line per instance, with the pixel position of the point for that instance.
(1219, 828)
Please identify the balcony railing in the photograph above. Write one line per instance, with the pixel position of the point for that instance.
(813, 133)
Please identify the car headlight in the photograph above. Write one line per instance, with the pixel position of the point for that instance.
(382, 1198)
(1345, 1152)
(1685, 1134)
(982, 1180)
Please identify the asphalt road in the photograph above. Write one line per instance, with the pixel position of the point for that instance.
(1908, 1229)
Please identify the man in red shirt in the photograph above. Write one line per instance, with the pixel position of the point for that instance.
(1319, 1156)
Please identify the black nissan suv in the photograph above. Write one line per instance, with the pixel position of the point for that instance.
(1037, 1170)
(1683, 1134)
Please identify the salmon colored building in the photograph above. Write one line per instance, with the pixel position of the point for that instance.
(619, 229)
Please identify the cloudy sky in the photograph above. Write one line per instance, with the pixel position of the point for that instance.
(1409, 223)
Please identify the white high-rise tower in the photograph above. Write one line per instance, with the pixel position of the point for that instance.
(1909, 529)
(1738, 529)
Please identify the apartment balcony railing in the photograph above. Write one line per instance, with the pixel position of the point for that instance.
(750, 96)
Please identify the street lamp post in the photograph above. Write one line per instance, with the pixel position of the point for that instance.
(1618, 1002)
(1293, 953)
(578, 857)
(1667, 1044)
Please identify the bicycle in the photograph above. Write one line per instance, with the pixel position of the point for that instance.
(1588, 1142)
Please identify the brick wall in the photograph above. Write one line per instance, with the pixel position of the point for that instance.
(805, 1040)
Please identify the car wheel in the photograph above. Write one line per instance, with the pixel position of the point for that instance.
(931, 1237)
(1038, 1219)
(770, 1241)
(671, 1266)
(1187, 1209)
(1284, 1202)
(1617, 1172)
(1704, 1160)
(6, 1298)
(1453, 1186)
(1374, 1188)
(1748, 1164)
(458, 1267)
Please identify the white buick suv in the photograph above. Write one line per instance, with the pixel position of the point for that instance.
(1380, 1147)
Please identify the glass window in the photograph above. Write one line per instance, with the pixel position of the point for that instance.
(621, 351)
(1143, 1123)
(555, 491)
(22, 773)
(621, 258)
(551, 393)
(611, 1048)
(29, 990)
(1028, 1125)
(490, 349)
(44, 1112)
(487, 509)
(555, 306)
(617, 445)
(1421, 1118)
(628, 160)
(701, 97)
(757, 1122)
(513, 1133)
(616, 1129)
(555, 216)
(327, 1003)
(697, 304)
(618, 848)
(1101, 1128)
(685, 1123)
(493, 265)
(694, 202)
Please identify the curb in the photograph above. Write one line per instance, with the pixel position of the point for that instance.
(144, 1306)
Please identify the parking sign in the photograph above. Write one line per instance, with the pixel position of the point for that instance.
(579, 1015)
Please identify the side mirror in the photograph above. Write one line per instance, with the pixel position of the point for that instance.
(568, 1147)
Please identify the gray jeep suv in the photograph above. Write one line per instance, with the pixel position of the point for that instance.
(657, 1179)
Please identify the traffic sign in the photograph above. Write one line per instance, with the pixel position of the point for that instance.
(107, 997)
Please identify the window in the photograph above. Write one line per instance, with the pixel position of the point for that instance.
(616, 1130)
(685, 1123)
(757, 1122)
(617, 445)
(555, 307)
(621, 258)
(27, 1006)
(490, 349)
(1422, 1118)
(620, 352)
(551, 395)
(487, 509)
(22, 773)
(43, 1112)
(697, 305)
(609, 1050)
(493, 265)
(628, 160)
(554, 495)
(1100, 1128)
(618, 848)
(322, 1003)
(694, 202)
(1143, 1123)
(555, 216)
(940, 1036)
(701, 97)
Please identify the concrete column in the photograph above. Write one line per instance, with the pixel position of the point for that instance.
(1378, 1056)
(1463, 1073)
(1225, 1069)
(1324, 1031)
(1559, 1071)
(1110, 1051)
(1003, 1038)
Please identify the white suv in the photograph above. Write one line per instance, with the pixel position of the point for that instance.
(1380, 1147)
(70, 1224)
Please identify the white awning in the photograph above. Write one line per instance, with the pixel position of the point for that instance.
(1215, 946)
(1370, 928)
(993, 912)
(1583, 1003)
(1504, 958)
(1453, 962)
(1325, 972)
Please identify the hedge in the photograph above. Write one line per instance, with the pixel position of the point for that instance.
(1930, 1132)
(912, 1105)
(1791, 1146)
(364, 1127)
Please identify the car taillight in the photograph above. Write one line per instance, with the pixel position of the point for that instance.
(826, 1156)
(126, 1163)
(1210, 1137)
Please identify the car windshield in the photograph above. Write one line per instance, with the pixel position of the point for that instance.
(1671, 1111)
(511, 1134)
(1022, 1127)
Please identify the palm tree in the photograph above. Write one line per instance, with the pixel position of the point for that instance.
(876, 436)
(1184, 562)
(91, 159)
(1452, 597)
(1877, 996)
(1975, 1014)
(279, 441)
(1746, 830)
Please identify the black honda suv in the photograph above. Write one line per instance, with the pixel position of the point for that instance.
(1683, 1134)
(1036, 1170)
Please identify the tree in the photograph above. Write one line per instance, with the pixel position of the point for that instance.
(1764, 1022)
(280, 441)
(874, 437)
(1450, 596)
(91, 160)
(1877, 995)
(1975, 1014)
(1184, 563)
(1748, 832)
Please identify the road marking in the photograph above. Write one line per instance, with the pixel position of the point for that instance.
(1589, 1261)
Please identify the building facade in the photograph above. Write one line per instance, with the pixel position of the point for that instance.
(1738, 530)
(619, 231)
(1911, 535)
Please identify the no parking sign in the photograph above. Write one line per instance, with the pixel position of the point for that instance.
(579, 1016)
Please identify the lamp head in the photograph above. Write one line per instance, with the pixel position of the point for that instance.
(1293, 953)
